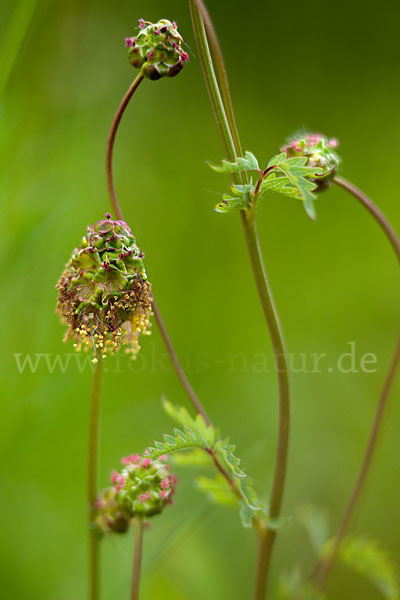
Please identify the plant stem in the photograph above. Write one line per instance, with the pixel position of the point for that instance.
(111, 142)
(137, 559)
(94, 430)
(232, 146)
(322, 569)
(374, 211)
(117, 209)
(322, 572)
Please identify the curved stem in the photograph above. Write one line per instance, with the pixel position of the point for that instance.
(117, 209)
(268, 535)
(222, 76)
(94, 430)
(322, 572)
(374, 211)
(322, 569)
(177, 366)
(231, 143)
(137, 559)
(111, 140)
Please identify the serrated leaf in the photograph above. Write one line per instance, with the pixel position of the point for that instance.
(291, 177)
(197, 434)
(248, 163)
(195, 457)
(369, 559)
(217, 489)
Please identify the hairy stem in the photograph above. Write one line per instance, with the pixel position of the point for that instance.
(222, 107)
(137, 559)
(111, 142)
(94, 430)
(117, 209)
(321, 571)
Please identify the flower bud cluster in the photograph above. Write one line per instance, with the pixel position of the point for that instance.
(157, 49)
(320, 152)
(143, 488)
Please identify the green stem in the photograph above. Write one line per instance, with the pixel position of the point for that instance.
(111, 142)
(322, 569)
(94, 432)
(118, 212)
(137, 559)
(231, 143)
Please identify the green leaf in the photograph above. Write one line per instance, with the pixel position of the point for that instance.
(197, 434)
(248, 163)
(367, 558)
(195, 457)
(217, 489)
(291, 177)
(241, 199)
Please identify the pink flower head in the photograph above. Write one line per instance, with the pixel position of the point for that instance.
(185, 56)
(131, 459)
(129, 42)
(150, 55)
(156, 32)
(114, 476)
(164, 484)
(146, 462)
(333, 143)
(164, 495)
(144, 497)
(174, 25)
(163, 457)
(173, 479)
(142, 24)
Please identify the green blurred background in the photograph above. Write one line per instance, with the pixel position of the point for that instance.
(330, 66)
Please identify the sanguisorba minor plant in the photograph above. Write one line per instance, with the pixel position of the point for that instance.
(305, 166)
(106, 301)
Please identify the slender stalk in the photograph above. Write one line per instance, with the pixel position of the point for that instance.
(137, 559)
(222, 75)
(94, 434)
(177, 366)
(117, 209)
(374, 211)
(322, 569)
(231, 143)
(322, 572)
(111, 142)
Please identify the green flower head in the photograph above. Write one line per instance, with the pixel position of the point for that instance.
(143, 488)
(157, 49)
(320, 152)
(104, 297)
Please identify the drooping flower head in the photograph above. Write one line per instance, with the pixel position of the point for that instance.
(104, 297)
(157, 49)
(143, 488)
(320, 151)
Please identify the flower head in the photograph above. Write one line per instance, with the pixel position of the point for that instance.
(157, 49)
(104, 297)
(144, 487)
(320, 152)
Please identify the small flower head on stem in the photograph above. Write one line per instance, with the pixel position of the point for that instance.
(104, 297)
(157, 49)
(143, 488)
(320, 152)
